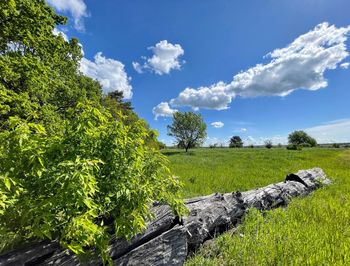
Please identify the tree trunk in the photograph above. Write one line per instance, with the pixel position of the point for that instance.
(168, 240)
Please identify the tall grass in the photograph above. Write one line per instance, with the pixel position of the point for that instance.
(314, 230)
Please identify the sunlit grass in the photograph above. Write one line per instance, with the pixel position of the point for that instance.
(314, 230)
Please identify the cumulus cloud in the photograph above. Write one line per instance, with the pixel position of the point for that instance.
(345, 65)
(109, 72)
(217, 124)
(77, 9)
(166, 57)
(300, 65)
(213, 97)
(163, 110)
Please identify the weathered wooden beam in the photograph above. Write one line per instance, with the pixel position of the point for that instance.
(168, 240)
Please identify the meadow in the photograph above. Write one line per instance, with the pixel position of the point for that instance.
(314, 230)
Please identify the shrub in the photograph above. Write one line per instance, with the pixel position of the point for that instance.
(69, 186)
(268, 144)
(294, 147)
(336, 145)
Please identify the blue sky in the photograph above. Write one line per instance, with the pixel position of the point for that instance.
(202, 55)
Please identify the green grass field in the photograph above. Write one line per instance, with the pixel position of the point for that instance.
(314, 230)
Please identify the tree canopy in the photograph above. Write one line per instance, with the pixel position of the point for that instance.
(236, 142)
(75, 165)
(301, 138)
(188, 128)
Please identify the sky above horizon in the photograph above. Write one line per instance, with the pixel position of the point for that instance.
(257, 69)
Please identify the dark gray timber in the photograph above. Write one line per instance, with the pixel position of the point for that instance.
(168, 240)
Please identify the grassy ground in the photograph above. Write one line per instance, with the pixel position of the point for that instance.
(314, 230)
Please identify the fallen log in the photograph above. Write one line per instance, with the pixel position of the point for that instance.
(168, 240)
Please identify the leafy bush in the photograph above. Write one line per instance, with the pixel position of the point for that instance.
(294, 147)
(268, 144)
(69, 186)
(336, 145)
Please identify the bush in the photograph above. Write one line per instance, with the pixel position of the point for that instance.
(69, 186)
(294, 147)
(268, 144)
(336, 145)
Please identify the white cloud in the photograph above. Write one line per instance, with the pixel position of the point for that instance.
(109, 72)
(300, 65)
(165, 58)
(77, 9)
(163, 110)
(214, 97)
(214, 141)
(336, 131)
(137, 67)
(217, 124)
(242, 130)
(345, 65)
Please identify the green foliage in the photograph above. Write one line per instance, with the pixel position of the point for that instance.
(294, 147)
(268, 144)
(68, 186)
(188, 128)
(39, 77)
(236, 142)
(301, 138)
(335, 145)
(74, 165)
(313, 230)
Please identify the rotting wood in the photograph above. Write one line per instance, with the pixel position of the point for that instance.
(168, 240)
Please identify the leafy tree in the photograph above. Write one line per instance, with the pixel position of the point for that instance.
(268, 144)
(73, 165)
(188, 128)
(68, 186)
(301, 138)
(39, 78)
(236, 142)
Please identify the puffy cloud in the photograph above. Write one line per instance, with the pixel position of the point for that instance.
(165, 58)
(163, 110)
(77, 9)
(217, 124)
(300, 65)
(109, 72)
(345, 65)
(213, 97)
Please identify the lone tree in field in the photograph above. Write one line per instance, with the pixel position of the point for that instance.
(188, 128)
(268, 144)
(236, 142)
(301, 138)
